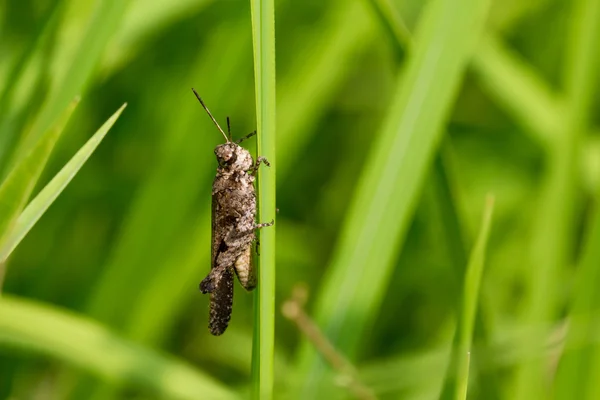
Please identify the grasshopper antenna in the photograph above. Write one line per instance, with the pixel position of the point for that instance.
(229, 129)
(211, 117)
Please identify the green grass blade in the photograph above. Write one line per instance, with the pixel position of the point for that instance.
(441, 191)
(20, 182)
(470, 301)
(577, 373)
(38, 206)
(395, 170)
(395, 28)
(587, 305)
(104, 21)
(579, 365)
(263, 34)
(519, 89)
(554, 234)
(18, 94)
(510, 81)
(308, 88)
(90, 346)
(142, 19)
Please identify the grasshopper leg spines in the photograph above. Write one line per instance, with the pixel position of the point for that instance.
(259, 160)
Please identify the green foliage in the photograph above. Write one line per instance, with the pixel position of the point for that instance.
(18, 185)
(38, 206)
(394, 120)
(86, 343)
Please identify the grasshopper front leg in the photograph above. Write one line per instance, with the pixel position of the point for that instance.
(254, 168)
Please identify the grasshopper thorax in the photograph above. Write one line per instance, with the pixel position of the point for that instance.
(233, 157)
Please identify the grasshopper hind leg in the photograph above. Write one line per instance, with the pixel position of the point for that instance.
(221, 302)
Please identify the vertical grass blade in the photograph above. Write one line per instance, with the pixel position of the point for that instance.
(20, 182)
(82, 342)
(579, 366)
(395, 170)
(38, 206)
(263, 34)
(470, 300)
(580, 363)
(587, 307)
(555, 230)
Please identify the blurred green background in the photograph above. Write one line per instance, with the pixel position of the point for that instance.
(122, 250)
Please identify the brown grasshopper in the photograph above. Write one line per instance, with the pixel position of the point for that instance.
(233, 226)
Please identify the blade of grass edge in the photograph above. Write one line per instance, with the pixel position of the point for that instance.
(263, 35)
(38, 206)
(21, 180)
(40, 328)
(470, 300)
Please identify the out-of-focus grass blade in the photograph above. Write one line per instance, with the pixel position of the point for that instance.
(90, 346)
(519, 89)
(555, 228)
(21, 180)
(38, 206)
(587, 307)
(103, 22)
(394, 174)
(17, 93)
(441, 187)
(142, 19)
(579, 366)
(578, 369)
(470, 301)
(508, 79)
(399, 34)
(304, 92)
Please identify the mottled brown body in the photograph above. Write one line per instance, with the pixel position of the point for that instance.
(233, 228)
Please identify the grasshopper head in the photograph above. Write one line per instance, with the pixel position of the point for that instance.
(233, 157)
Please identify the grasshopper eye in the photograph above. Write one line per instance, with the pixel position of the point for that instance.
(231, 159)
(226, 158)
(225, 155)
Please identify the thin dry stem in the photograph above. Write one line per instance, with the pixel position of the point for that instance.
(294, 311)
